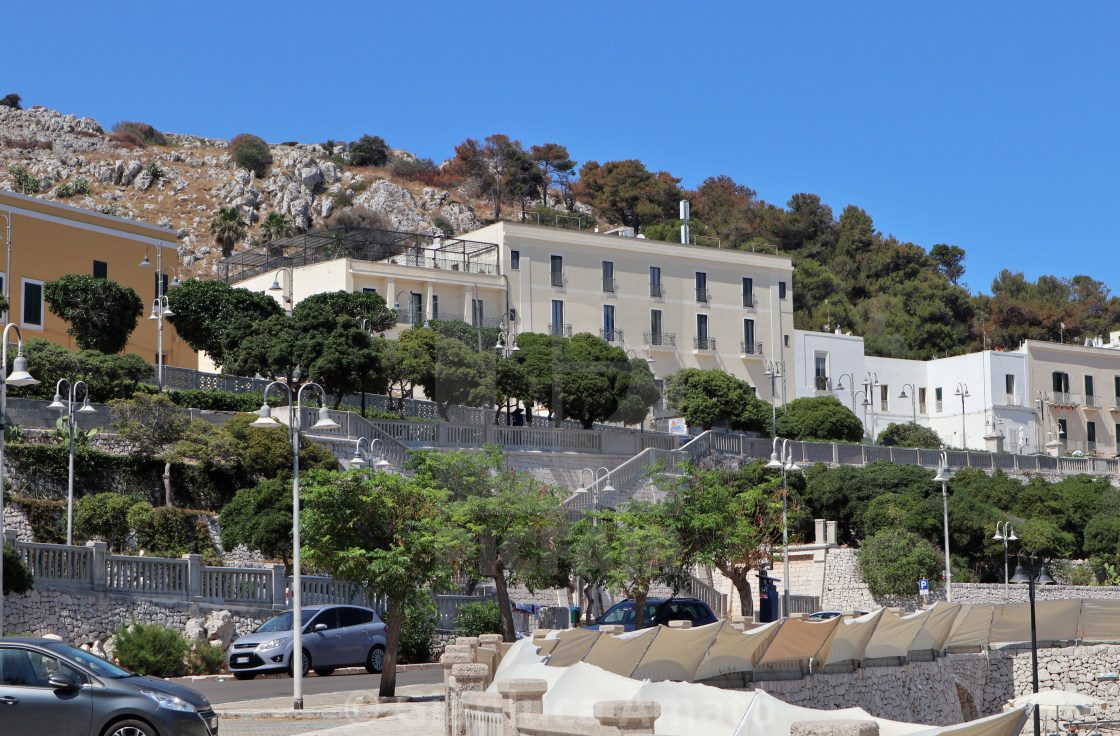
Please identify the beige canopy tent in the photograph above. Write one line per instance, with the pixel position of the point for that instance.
(1100, 621)
(1054, 621)
(735, 651)
(849, 640)
(675, 654)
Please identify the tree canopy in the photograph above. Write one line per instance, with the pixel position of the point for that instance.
(102, 314)
(706, 397)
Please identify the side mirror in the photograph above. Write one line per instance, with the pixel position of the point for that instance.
(63, 682)
(319, 627)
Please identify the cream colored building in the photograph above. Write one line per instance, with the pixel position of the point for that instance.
(50, 239)
(683, 305)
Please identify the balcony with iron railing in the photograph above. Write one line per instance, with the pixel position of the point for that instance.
(939, 405)
(1091, 402)
(704, 343)
(656, 291)
(1063, 398)
(557, 278)
(661, 339)
(822, 383)
(610, 286)
(748, 299)
(611, 335)
(750, 348)
(703, 295)
(1011, 400)
(560, 330)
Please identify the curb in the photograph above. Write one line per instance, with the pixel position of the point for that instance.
(343, 670)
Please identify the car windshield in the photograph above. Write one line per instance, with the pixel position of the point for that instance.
(283, 622)
(97, 665)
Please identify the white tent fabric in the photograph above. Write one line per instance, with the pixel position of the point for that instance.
(850, 639)
(582, 685)
(676, 654)
(1100, 621)
(687, 708)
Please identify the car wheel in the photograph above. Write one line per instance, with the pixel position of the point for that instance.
(244, 675)
(306, 665)
(129, 728)
(324, 671)
(375, 662)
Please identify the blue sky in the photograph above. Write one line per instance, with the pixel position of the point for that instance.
(986, 125)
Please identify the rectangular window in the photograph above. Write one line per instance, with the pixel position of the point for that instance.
(514, 260)
(748, 337)
(937, 399)
(1089, 386)
(416, 308)
(701, 286)
(1062, 429)
(100, 270)
(820, 372)
(31, 305)
(608, 276)
(557, 326)
(655, 281)
(1091, 431)
(1060, 382)
(1115, 380)
(369, 289)
(609, 333)
(435, 307)
(655, 326)
(660, 405)
(883, 396)
(781, 289)
(476, 312)
(703, 342)
(922, 400)
(785, 340)
(557, 270)
(748, 292)
(1009, 383)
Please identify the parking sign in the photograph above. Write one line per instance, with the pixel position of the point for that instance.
(923, 587)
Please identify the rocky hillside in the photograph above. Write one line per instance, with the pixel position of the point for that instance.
(182, 185)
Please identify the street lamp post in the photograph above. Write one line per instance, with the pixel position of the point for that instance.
(507, 345)
(290, 298)
(1007, 535)
(294, 438)
(944, 475)
(871, 380)
(913, 399)
(18, 377)
(374, 448)
(604, 475)
(962, 391)
(71, 422)
(775, 370)
(8, 273)
(1043, 579)
(781, 456)
(160, 307)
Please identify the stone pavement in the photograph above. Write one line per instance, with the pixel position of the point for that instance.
(339, 714)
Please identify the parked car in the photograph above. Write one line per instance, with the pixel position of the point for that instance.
(333, 637)
(47, 687)
(658, 611)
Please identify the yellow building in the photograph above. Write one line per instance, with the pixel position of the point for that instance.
(43, 240)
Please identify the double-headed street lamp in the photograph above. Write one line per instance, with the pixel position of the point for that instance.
(160, 308)
(604, 475)
(71, 422)
(1043, 579)
(294, 438)
(374, 448)
(962, 391)
(783, 458)
(290, 297)
(944, 475)
(775, 370)
(1005, 536)
(18, 377)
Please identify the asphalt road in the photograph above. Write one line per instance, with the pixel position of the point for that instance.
(275, 686)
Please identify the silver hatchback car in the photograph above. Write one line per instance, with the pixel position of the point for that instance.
(333, 637)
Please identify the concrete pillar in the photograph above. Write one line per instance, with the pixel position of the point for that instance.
(11, 536)
(631, 717)
(520, 696)
(830, 532)
(98, 568)
(194, 576)
(449, 660)
(818, 531)
(465, 678)
(279, 585)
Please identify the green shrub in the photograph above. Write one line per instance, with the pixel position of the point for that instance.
(24, 182)
(909, 435)
(17, 578)
(369, 151)
(443, 224)
(205, 658)
(417, 631)
(251, 152)
(128, 130)
(483, 617)
(170, 532)
(63, 191)
(894, 560)
(47, 518)
(11, 100)
(414, 169)
(150, 650)
(105, 515)
(215, 400)
(345, 198)
(154, 169)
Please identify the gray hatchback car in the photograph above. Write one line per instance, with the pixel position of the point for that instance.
(50, 689)
(333, 637)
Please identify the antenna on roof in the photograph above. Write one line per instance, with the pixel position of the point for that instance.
(685, 239)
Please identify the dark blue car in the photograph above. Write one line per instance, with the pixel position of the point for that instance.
(658, 611)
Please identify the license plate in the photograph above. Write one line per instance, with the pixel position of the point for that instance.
(212, 723)
(241, 660)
